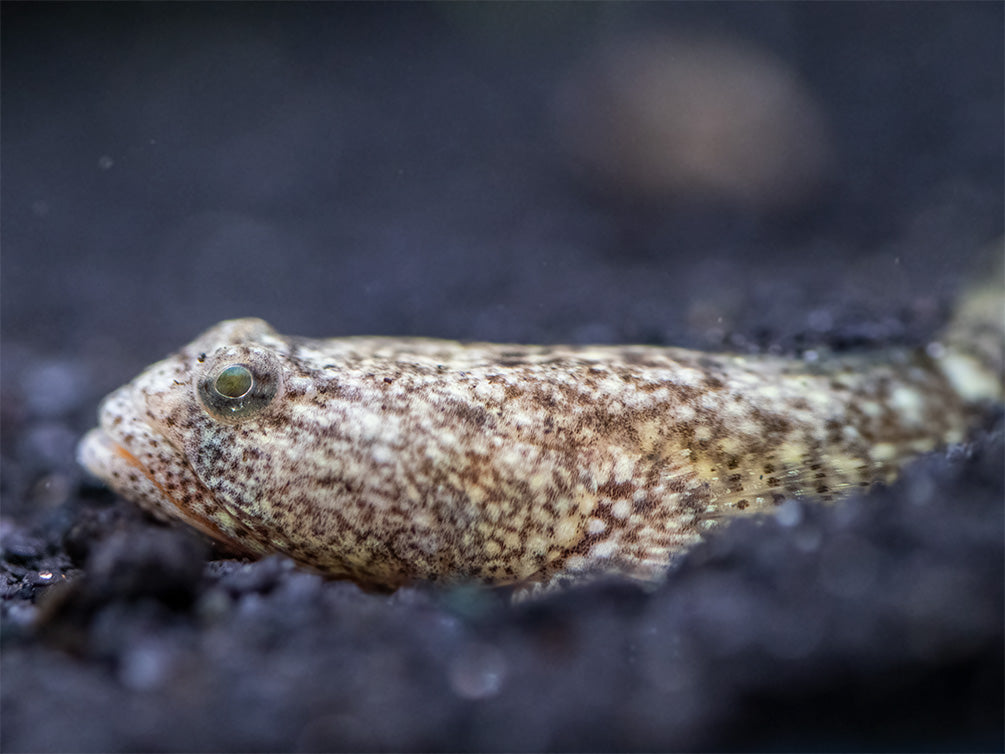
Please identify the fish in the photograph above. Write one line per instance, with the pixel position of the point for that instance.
(391, 461)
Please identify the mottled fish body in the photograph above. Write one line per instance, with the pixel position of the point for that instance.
(389, 460)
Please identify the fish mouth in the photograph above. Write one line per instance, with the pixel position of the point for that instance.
(126, 468)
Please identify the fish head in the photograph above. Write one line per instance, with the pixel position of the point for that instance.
(162, 437)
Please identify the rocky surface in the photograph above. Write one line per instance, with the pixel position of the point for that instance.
(394, 170)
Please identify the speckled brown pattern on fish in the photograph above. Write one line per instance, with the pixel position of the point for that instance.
(388, 460)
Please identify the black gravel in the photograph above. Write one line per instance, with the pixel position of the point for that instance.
(393, 169)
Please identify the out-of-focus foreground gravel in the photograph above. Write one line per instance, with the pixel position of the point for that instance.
(797, 178)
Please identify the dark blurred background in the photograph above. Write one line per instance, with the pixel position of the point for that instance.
(412, 169)
(731, 175)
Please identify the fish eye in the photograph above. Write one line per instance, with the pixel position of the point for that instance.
(234, 381)
(238, 383)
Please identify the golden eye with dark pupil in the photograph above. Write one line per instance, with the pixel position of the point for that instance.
(235, 381)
